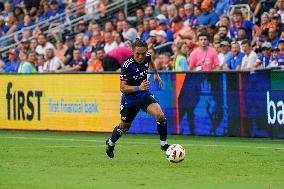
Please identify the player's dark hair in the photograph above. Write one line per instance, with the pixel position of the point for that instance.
(139, 43)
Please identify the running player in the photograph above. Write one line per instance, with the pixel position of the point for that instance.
(136, 95)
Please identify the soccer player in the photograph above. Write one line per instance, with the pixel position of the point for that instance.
(136, 95)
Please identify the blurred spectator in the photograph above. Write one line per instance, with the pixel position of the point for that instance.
(19, 14)
(110, 44)
(189, 12)
(276, 21)
(33, 44)
(255, 7)
(167, 63)
(68, 55)
(129, 33)
(40, 63)
(235, 58)
(28, 63)
(146, 34)
(46, 13)
(149, 11)
(25, 46)
(205, 57)
(109, 28)
(265, 22)
(87, 48)
(76, 64)
(273, 37)
(14, 62)
(172, 12)
(158, 6)
(207, 17)
(98, 39)
(32, 6)
(118, 38)
(224, 54)
(241, 35)
(163, 24)
(265, 59)
(7, 10)
(152, 39)
(114, 58)
(280, 4)
(249, 60)
(247, 25)
(223, 33)
(180, 61)
(43, 44)
(222, 7)
(53, 63)
(280, 56)
(139, 15)
(60, 50)
(82, 27)
(94, 64)
(225, 21)
(162, 42)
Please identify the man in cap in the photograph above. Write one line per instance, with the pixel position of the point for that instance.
(207, 17)
(164, 26)
(14, 62)
(162, 40)
(224, 54)
(265, 57)
(68, 55)
(129, 33)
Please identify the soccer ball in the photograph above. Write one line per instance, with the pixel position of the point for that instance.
(175, 153)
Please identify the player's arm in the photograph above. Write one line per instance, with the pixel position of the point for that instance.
(156, 76)
(124, 88)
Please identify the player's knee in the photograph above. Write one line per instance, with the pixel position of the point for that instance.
(160, 116)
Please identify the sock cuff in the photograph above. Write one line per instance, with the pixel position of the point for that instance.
(162, 122)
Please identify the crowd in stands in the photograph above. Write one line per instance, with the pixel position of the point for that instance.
(241, 40)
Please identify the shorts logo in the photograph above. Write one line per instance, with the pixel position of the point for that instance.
(123, 118)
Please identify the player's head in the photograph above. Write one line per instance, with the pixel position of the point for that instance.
(139, 48)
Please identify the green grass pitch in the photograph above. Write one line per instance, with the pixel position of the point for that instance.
(71, 160)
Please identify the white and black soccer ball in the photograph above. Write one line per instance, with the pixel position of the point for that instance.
(175, 153)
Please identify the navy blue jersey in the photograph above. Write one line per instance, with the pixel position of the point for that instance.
(134, 74)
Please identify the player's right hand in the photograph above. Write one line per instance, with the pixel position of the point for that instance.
(145, 85)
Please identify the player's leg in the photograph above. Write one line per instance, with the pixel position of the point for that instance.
(154, 109)
(127, 116)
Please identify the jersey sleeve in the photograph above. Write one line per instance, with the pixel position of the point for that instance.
(124, 71)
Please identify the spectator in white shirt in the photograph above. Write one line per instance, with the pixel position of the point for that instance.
(52, 63)
(43, 44)
(249, 60)
(109, 42)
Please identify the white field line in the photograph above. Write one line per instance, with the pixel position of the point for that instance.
(139, 143)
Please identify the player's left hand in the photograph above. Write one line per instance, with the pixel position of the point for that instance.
(157, 77)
